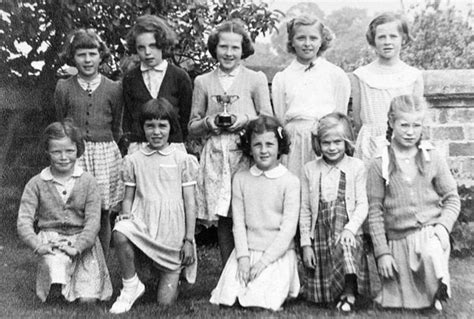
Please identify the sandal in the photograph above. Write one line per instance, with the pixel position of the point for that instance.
(346, 303)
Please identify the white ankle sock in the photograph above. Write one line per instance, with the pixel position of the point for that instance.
(130, 283)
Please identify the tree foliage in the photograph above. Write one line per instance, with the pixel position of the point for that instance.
(33, 32)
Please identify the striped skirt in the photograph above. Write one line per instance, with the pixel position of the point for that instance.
(103, 160)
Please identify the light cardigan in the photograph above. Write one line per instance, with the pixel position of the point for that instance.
(308, 95)
(401, 207)
(99, 115)
(250, 86)
(265, 208)
(355, 196)
(79, 215)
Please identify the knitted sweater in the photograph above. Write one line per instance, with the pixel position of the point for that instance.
(265, 208)
(79, 215)
(176, 88)
(250, 86)
(99, 114)
(401, 207)
(355, 196)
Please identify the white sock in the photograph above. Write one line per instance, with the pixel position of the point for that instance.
(130, 283)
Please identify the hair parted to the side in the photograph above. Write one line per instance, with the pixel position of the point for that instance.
(403, 104)
(260, 125)
(327, 36)
(165, 37)
(83, 39)
(162, 109)
(330, 123)
(387, 18)
(232, 26)
(60, 130)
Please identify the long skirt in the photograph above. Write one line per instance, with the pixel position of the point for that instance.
(277, 282)
(84, 276)
(422, 267)
(103, 160)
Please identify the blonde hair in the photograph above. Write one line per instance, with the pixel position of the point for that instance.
(328, 123)
(327, 36)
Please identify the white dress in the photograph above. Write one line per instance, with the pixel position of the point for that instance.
(158, 225)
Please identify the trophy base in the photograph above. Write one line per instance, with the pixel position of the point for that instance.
(223, 120)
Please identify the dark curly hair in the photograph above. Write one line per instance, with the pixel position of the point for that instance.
(327, 36)
(328, 123)
(162, 109)
(83, 39)
(387, 18)
(62, 129)
(262, 124)
(233, 26)
(165, 37)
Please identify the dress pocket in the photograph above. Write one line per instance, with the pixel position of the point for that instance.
(169, 172)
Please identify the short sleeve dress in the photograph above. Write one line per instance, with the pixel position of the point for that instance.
(378, 86)
(158, 224)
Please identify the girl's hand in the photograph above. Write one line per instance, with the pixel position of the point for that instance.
(346, 238)
(387, 266)
(122, 217)
(442, 233)
(256, 270)
(309, 260)
(71, 251)
(187, 253)
(243, 270)
(44, 249)
(211, 124)
(240, 122)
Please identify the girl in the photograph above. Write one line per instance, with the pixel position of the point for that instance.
(380, 81)
(158, 210)
(413, 205)
(334, 206)
(262, 269)
(220, 157)
(152, 40)
(64, 202)
(95, 104)
(309, 88)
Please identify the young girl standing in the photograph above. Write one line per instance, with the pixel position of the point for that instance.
(380, 81)
(309, 88)
(95, 104)
(220, 157)
(413, 205)
(333, 208)
(158, 211)
(65, 202)
(152, 40)
(262, 269)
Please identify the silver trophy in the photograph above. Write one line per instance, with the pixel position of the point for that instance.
(225, 119)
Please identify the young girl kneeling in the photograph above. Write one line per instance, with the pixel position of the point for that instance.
(262, 270)
(413, 205)
(334, 206)
(65, 201)
(158, 211)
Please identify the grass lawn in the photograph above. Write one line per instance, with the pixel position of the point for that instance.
(18, 299)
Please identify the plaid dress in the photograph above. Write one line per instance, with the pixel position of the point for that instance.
(326, 282)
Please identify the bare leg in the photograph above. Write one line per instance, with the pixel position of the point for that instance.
(125, 255)
(225, 238)
(167, 291)
(105, 232)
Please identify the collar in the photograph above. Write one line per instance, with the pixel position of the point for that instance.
(160, 67)
(46, 174)
(276, 172)
(233, 73)
(166, 151)
(303, 67)
(343, 165)
(94, 81)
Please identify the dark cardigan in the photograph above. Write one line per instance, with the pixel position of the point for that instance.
(176, 88)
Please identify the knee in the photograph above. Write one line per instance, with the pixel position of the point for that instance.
(120, 240)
